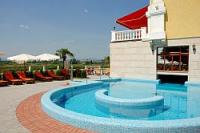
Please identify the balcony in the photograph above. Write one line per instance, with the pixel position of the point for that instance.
(129, 35)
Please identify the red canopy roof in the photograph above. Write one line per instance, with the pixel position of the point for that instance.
(134, 20)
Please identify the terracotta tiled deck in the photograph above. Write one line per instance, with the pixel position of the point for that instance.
(31, 116)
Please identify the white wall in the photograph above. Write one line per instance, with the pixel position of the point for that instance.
(132, 59)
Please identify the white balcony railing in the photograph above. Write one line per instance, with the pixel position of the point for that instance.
(128, 35)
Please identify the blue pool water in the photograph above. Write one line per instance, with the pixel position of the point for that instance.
(179, 101)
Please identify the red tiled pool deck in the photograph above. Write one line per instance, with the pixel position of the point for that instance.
(31, 116)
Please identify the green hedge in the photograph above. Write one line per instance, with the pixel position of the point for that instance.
(79, 73)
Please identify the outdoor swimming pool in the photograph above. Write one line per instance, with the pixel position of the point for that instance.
(124, 105)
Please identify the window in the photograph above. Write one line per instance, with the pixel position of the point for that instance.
(173, 59)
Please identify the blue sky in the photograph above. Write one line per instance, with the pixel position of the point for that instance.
(43, 26)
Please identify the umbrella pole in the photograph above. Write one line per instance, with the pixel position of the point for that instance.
(24, 66)
(46, 65)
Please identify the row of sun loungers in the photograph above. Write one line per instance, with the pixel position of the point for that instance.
(22, 78)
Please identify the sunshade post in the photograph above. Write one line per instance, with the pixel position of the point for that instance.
(24, 66)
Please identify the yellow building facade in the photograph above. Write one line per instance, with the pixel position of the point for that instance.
(182, 18)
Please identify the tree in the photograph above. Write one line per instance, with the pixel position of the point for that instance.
(63, 53)
(106, 60)
(74, 61)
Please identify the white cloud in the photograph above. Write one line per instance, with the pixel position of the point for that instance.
(85, 11)
(25, 27)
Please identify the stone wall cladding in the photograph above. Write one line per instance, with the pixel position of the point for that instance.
(132, 59)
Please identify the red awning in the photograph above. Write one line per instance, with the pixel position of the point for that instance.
(134, 20)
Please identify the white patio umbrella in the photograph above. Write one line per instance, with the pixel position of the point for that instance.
(47, 57)
(22, 58)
